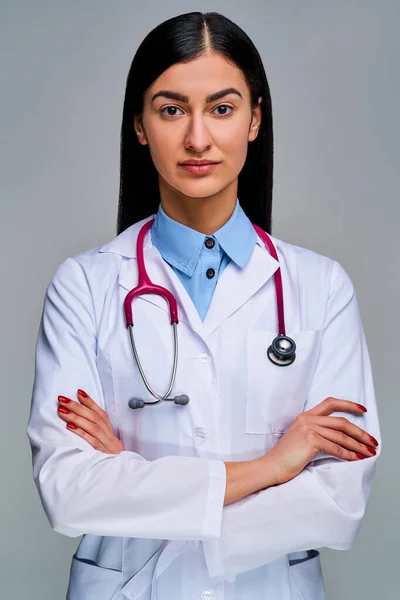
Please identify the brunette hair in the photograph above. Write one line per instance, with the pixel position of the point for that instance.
(181, 39)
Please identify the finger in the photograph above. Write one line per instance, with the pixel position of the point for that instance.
(94, 442)
(86, 400)
(330, 404)
(88, 412)
(94, 428)
(343, 424)
(336, 450)
(345, 441)
(80, 410)
(102, 441)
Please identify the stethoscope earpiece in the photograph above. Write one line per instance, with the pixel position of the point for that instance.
(282, 351)
(182, 399)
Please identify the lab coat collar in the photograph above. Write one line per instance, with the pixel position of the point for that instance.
(124, 244)
(235, 285)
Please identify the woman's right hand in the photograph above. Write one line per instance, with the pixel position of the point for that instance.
(313, 431)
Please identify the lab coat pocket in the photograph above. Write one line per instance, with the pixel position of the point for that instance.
(306, 579)
(142, 585)
(91, 582)
(276, 394)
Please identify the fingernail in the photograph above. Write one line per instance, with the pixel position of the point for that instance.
(362, 407)
(372, 450)
(63, 399)
(360, 455)
(71, 426)
(373, 440)
(64, 410)
(83, 394)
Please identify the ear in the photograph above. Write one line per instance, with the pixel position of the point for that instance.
(255, 122)
(138, 124)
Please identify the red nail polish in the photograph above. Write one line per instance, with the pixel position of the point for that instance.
(373, 440)
(83, 394)
(64, 410)
(71, 426)
(362, 407)
(63, 399)
(372, 450)
(360, 455)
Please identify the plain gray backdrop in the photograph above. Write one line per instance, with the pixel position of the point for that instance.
(333, 69)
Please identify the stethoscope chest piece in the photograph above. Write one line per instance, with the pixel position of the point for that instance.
(282, 351)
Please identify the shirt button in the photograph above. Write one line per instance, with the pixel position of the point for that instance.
(209, 243)
(204, 358)
(210, 273)
(207, 594)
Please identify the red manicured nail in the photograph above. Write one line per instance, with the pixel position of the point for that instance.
(64, 410)
(83, 394)
(373, 440)
(362, 407)
(372, 450)
(63, 399)
(71, 426)
(360, 455)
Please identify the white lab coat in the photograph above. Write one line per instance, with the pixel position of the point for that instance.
(152, 517)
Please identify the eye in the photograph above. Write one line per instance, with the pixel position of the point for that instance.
(171, 107)
(224, 106)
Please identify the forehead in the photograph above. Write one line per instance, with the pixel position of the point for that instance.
(200, 77)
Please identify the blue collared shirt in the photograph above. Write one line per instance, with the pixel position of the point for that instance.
(199, 259)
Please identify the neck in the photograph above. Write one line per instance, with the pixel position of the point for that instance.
(206, 214)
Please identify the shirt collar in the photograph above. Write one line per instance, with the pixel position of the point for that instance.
(181, 245)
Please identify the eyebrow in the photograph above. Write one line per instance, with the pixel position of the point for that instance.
(183, 98)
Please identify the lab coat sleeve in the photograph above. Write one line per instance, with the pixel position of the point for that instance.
(84, 490)
(324, 505)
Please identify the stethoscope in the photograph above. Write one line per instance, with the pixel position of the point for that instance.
(281, 352)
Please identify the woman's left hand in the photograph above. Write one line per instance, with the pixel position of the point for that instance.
(90, 422)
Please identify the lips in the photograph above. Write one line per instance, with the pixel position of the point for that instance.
(198, 163)
(199, 168)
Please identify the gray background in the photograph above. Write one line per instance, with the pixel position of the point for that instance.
(333, 70)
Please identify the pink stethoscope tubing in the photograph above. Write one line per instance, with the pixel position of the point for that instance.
(281, 352)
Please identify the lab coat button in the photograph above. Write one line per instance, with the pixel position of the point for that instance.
(207, 594)
(204, 358)
(200, 433)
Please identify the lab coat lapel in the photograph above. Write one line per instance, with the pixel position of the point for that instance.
(162, 274)
(235, 286)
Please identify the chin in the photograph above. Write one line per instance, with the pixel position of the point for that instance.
(200, 188)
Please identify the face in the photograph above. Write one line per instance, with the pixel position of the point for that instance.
(185, 123)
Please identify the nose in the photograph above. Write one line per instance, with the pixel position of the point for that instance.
(197, 135)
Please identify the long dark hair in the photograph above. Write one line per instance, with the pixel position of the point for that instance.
(182, 39)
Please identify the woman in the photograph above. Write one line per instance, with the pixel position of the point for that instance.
(231, 494)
